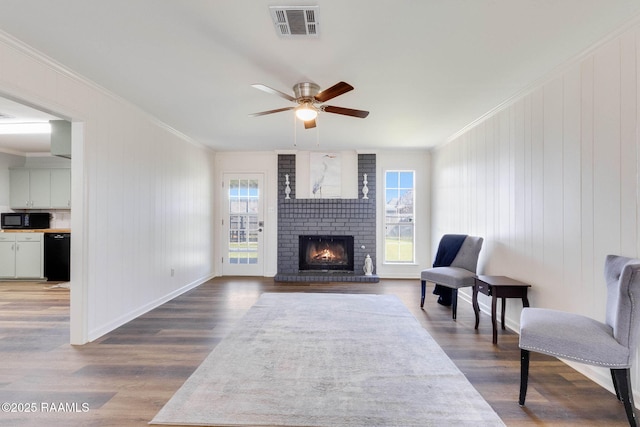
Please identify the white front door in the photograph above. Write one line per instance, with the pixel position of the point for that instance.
(243, 225)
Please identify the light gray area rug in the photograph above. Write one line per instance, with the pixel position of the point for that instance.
(330, 360)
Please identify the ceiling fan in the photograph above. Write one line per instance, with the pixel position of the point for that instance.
(309, 97)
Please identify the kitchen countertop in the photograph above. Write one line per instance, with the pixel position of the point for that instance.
(43, 230)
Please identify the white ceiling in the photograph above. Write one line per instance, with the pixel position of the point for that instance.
(423, 68)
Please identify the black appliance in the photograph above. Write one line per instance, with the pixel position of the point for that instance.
(18, 220)
(57, 256)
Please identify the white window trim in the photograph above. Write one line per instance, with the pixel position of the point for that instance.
(384, 219)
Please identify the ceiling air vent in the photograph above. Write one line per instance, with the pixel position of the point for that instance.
(295, 21)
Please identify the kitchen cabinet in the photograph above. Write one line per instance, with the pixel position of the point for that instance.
(19, 192)
(21, 255)
(61, 188)
(30, 188)
(40, 188)
(7, 255)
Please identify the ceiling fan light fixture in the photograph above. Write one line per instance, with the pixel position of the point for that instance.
(306, 112)
(307, 96)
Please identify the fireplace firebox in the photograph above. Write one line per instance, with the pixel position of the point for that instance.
(326, 253)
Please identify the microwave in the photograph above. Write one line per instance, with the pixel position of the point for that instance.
(16, 220)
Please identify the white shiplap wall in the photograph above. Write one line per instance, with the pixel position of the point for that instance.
(142, 196)
(551, 182)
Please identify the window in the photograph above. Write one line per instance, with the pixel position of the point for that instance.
(399, 216)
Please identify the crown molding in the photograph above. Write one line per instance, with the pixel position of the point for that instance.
(546, 78)
(54, 65)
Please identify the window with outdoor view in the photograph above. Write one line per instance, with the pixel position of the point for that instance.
(399, 216)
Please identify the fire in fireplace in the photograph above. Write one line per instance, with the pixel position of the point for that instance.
(326, 253)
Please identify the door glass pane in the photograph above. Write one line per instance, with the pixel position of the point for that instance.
(253, 188)
(243, 221)
(233, 187)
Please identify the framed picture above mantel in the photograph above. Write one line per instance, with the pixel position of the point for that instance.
(325, 173)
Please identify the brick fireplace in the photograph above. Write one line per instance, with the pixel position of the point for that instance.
(325, 217)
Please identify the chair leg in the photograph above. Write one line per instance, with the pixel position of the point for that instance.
(622, 383)
(454, 303)
(524, 375)
(424, 289)
(615, 385)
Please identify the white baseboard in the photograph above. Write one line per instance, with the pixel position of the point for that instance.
(104, 329)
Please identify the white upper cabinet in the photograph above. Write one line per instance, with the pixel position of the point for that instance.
(61, 188)
(19, 193)
(40, 188)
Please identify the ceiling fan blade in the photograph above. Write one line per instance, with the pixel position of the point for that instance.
(274, 92)
(310, 124)
(264, 113)
(335, 90)
(345, 111)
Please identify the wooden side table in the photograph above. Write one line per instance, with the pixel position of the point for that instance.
(498, 287)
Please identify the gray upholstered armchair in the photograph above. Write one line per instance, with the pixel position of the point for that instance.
(573, 337)
(454, 266)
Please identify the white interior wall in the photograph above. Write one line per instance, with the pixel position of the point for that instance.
(551, 182)
(150, 217)
(142, 196)
(420, 162)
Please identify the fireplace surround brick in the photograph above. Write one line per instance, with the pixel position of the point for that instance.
(356, 217)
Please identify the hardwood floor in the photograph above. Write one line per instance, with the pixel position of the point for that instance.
(125, 377)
